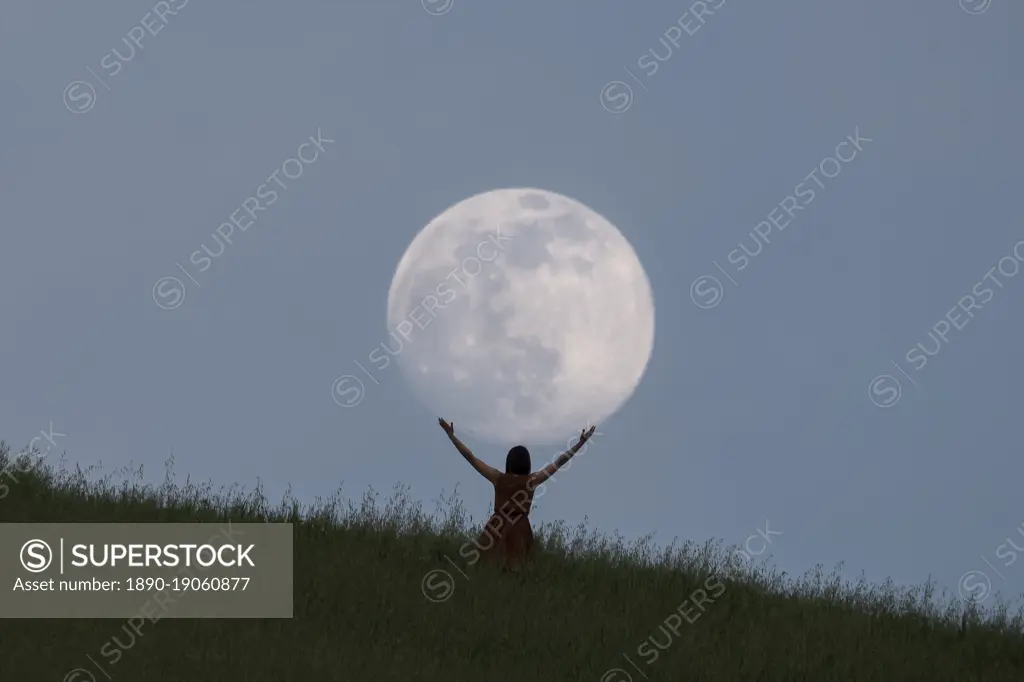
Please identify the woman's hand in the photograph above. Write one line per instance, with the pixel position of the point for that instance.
(448, 428)
(585, 435)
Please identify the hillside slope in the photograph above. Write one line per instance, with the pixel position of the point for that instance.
(366, 608)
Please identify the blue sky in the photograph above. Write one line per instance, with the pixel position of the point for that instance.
(755, 407)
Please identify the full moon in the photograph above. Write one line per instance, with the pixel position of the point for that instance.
(522, 316)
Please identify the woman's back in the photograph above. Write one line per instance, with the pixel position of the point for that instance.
(513, 495)
(507, 536)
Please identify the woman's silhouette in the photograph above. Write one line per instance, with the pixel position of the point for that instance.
(507, 537)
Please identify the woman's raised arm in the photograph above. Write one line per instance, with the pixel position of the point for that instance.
(547, 472)
(485, 470)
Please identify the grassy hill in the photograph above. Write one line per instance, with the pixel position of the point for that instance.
(586, 604)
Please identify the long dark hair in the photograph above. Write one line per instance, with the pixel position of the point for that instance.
(518, 461)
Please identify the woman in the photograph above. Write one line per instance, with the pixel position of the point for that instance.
(507, 537)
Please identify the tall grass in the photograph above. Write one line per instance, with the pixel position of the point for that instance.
(372, 603)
